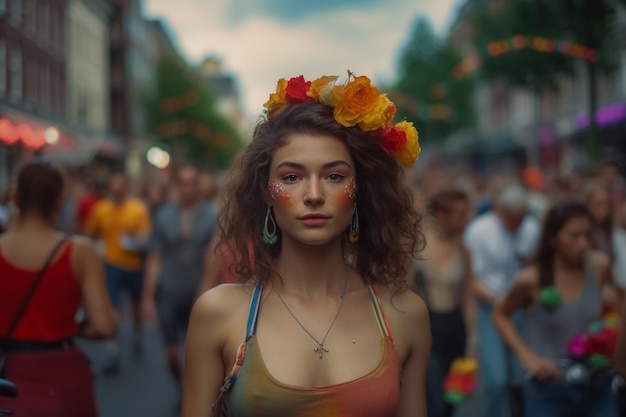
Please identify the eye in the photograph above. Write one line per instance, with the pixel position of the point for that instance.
(290, 178)
(334, 177)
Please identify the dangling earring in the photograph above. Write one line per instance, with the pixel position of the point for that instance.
(269, 237)
(354, 226)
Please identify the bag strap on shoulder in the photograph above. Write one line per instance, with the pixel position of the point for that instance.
(33, 288)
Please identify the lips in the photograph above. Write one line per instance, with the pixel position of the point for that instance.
(314, 219)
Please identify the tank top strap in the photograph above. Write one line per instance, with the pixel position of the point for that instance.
(253, 312)
(378, 313)
(230, 379)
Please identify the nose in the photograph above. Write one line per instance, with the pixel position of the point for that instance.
(314, 195)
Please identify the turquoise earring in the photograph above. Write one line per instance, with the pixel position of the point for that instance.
(269, 237)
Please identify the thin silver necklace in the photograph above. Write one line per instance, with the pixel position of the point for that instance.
(319, 349)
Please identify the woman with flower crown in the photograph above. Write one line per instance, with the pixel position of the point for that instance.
(317, 208)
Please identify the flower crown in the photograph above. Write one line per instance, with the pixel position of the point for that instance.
(355, 103)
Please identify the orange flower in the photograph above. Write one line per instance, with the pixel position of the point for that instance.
(359, 99)
(408, 154)
(380, 118)
(279, 98)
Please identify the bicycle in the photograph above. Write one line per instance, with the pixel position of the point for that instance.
(7, 389)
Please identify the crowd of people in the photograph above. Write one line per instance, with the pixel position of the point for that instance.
(317, 226)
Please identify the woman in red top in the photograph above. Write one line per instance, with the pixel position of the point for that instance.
(52, 376)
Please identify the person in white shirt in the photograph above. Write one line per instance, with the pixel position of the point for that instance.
(499, 241)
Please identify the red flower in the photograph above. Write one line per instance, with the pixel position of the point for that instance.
(602, 343)
(392, 139)
(297, 89)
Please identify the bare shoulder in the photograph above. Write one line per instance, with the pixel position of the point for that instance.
(405, 302)
(226, 296)
(402, 307)
(84, 252)
(82, 243)
(407, 317)
(223, 302)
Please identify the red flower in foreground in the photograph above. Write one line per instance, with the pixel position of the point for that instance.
(297, 89)
(392, 139)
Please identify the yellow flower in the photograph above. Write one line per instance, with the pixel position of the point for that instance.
(408, 154)
(331, 94)
(319, 84)
(359, 99)
(277, 99)
(464, 366)
(381, 117)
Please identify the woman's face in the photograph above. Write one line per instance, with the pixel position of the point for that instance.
(312, 188)
(573, 240)
(454, 221)
(599, 205)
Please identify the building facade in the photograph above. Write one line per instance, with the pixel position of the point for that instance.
(88, 85)
(32, 80)
(132, 62)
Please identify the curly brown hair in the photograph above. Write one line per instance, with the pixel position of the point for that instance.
(390, 226)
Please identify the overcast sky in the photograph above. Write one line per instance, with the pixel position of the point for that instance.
(260, 41)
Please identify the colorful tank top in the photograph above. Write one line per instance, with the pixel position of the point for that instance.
(256, 393)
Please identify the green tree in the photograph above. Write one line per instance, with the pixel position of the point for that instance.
(181, 111)
(525, 67)
(588, 22)
(426, 91)
(583, 22)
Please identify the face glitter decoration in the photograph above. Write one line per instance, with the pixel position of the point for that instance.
(276, 190)
(279, 194)
(350, 189)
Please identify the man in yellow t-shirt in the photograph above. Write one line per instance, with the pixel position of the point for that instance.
(122, 226)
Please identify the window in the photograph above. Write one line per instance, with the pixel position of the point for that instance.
(16, 12)
(31, 78)
(30, 15)
(44, 19)
(44, 86)
(3, 66)
(15, 71)
(53, 27)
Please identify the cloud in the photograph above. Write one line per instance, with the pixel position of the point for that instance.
(291, 12)
(260, 50)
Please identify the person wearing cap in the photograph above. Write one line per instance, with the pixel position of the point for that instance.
(499, 241)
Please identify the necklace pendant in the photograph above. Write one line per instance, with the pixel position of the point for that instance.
(321, 350)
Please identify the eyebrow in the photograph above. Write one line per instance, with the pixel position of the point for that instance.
(327, 165)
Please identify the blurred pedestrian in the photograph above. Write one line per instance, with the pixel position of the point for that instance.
(45, 279)
(8, 209)
(175, 265)
(443, 279)
(96, 190)
(597, 198)
(155, 195)
(122, 225)
(563, 264)
(620, 349)
(499, 241)
(331, 328)
(608, 174)
(619, 249)
(538, 202)
(209, 187)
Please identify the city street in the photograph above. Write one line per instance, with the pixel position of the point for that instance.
(143, 387)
